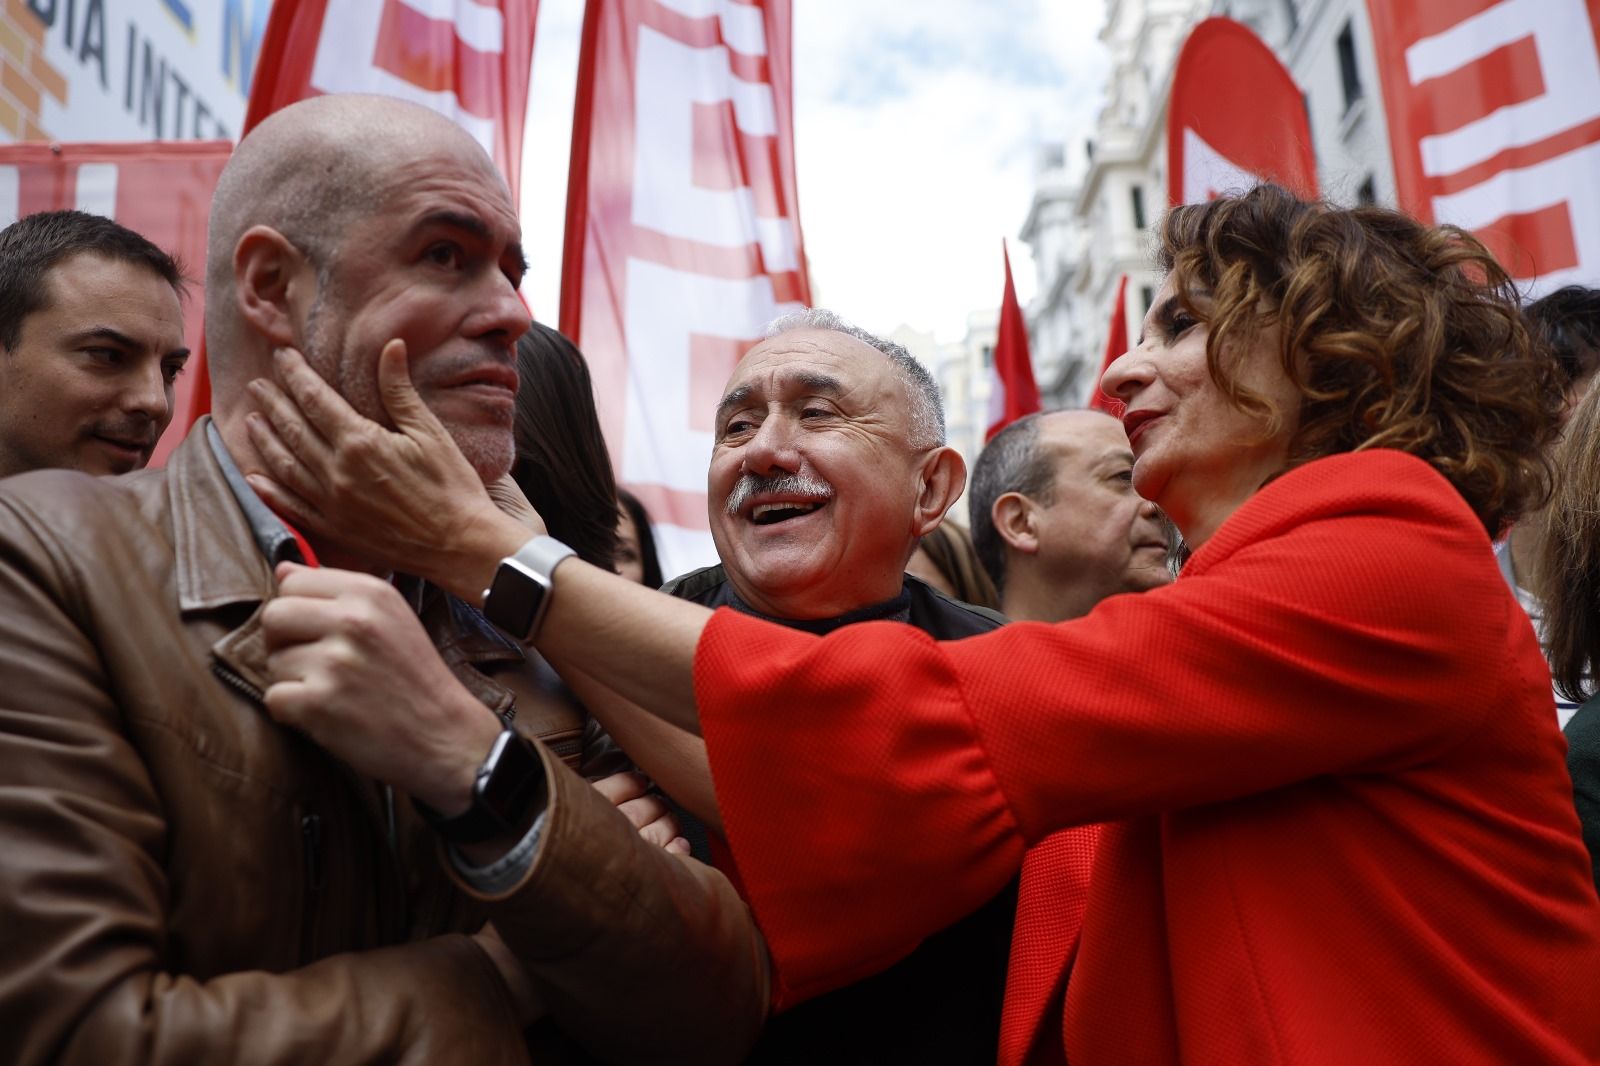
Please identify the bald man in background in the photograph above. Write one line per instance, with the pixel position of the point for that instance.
(258, 811)
(1055, 519)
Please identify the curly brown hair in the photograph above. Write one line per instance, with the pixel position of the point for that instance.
(1396, 334)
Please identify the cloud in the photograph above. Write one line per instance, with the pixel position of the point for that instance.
(916, 129)
(916, 124)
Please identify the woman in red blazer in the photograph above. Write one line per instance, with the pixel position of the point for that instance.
(1337, 824)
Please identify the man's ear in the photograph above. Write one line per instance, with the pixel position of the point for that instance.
(944, 475)
(274, 284)
(1015, 519)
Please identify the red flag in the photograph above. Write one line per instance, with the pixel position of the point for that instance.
(1116, 345)
(161, 189)
(1224, 72)
(1494, 124)
(1012, 392)
(469, 60)
(683, 230)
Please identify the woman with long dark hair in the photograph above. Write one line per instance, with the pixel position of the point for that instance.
(562, 466)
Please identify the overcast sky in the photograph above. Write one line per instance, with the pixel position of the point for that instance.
(915, 123)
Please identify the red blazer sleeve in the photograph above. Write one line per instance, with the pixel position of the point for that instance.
(1315, 634)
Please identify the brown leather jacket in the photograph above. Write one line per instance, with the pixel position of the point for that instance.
(183, 881)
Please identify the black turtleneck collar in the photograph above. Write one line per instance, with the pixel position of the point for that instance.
(894, 609)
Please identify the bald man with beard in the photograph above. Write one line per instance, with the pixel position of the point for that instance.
(258, 811)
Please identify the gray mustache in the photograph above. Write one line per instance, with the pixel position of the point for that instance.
(784, 484)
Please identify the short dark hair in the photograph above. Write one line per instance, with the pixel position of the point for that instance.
(1010, 462)
(31, 247)
(1566, 323)
(562, 463)
(649, 558)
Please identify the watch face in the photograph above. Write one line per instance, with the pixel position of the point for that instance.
(514, 598)
(516, 779)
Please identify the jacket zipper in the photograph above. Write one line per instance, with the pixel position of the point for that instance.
(235, 682)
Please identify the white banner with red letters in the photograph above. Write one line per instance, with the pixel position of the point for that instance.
(469, 60)
(683, 232)
(1494, 123)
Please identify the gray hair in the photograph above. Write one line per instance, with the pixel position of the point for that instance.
(1010, 462)
(922, 392)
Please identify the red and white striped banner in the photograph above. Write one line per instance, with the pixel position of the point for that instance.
(161, 189)
(683, 231)
(469, 60)
(1494, 122)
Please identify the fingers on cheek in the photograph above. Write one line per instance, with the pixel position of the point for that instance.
(280, 461)
(286, 503)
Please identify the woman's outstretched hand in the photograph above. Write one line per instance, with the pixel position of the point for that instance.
(404, 498)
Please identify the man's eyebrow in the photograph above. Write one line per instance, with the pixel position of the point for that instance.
(808, 382)
(1116, 457)
(820, 383)
(733, 399)
(114, 336)
(470, 223)
(462, 220)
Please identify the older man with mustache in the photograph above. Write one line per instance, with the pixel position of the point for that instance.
(829, 464)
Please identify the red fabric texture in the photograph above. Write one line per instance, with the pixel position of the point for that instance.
(1342, 830)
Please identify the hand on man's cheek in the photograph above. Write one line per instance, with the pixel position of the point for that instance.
(352, 668)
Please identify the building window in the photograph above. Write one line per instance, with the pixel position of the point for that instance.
(1138, 207)
(988, 356)
(1147, 296)
(1349, 74)
(1367, 194)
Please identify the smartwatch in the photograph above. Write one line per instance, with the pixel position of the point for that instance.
(509, 785)
(520, 595)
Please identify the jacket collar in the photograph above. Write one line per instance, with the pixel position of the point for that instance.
(218, 560)
(227, 541)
